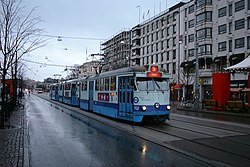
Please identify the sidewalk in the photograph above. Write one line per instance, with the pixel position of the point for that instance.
(14, 141)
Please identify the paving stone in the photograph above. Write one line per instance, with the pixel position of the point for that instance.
(12, 141)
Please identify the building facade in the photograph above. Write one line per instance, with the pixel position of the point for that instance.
(117, 51)
(216, 32)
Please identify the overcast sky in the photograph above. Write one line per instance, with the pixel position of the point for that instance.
(97, 19)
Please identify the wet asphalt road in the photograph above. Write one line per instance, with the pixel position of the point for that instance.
(57, 139)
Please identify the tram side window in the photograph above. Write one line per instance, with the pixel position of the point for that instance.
(84, 86)
(97, 83)
(106, 84)
(113, 83)
(60, 87)
(102, 84)
(67, 86)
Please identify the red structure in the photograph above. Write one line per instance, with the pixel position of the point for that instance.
(221, 88)
(9, 86)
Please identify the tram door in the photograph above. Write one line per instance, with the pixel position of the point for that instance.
(91, 95)
(125, 96)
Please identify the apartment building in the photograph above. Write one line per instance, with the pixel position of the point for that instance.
(216, 31)
(117, 50)
(219, 31)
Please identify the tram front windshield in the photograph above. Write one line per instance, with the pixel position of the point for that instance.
(152, 84)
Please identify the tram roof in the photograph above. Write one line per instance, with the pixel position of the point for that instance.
(124, 71)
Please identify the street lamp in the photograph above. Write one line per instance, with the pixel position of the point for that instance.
(197, 86)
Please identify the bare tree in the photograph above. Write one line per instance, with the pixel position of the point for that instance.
(187, 77)
(19, 35)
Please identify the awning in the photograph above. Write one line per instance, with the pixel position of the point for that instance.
(178, 86)
(235, 90)
(242, 66)
(246, 90)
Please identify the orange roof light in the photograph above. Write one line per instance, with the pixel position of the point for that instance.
(154, 68)
(154, 72)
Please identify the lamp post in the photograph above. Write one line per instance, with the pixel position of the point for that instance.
(197, 86)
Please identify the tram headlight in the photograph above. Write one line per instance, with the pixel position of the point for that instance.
(168, 107)
(157, 105)
(144, 108)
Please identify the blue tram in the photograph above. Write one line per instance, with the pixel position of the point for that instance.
(133, 93)
(54, 92)
(70, 92)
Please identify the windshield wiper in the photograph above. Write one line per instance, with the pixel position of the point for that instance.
(159, 87)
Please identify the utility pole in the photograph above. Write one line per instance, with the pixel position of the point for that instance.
(197, 86)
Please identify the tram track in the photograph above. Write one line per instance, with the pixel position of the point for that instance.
(241, 130)
(164, 129)
(171, 129)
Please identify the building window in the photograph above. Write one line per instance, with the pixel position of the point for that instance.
(204, 33)
(205, 49)
(174, 41)
(174, 28)
(248, 42)
(239, 24)
(190, 9)
(239, 43)
(167, 55)
(222, 29)
(248, 23)
(185, 54)
(167, 67)
(168, 29)
(190, 52)
(230, 27)
(230, 45)
(185, 40)
(222, 46)
(191, 38)
(222, 12)
(174, 68)
(230, 10)
(191, 23)
(168, 19)
(240, 5)
(204, 17)
(174, 54)
(174, 16)
(202, 3)
(168, 43)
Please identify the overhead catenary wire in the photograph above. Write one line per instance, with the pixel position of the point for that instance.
(46, 64)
